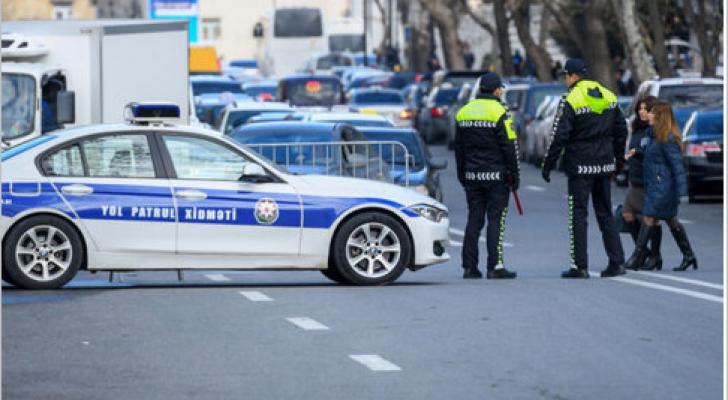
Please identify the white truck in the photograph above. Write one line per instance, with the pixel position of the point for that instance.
(58, 74)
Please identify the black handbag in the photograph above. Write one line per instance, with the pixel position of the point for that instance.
(619, 220)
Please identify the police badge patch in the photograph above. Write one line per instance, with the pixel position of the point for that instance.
(266, 211)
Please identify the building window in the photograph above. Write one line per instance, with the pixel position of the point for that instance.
(211, 30)
(62, 11)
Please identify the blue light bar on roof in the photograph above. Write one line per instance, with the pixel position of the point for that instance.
(154, 110)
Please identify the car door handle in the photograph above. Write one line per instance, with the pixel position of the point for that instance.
(77, 190)
(191, 195)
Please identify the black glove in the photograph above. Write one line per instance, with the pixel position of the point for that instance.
(546, 174)
(513, 182)
(618, 166)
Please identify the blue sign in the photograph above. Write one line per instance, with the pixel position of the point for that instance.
(176, 9)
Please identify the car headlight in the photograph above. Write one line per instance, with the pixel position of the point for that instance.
(422, 189)
(432, 213)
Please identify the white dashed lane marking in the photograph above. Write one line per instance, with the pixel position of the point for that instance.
(217, 277)
(374, 362)
(458, 232)
(685, 221)
(695, 282)
(657, 286)
(307, 324)
(255, 296)
(535, 188)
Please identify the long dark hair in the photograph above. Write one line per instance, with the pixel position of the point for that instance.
(637, 123)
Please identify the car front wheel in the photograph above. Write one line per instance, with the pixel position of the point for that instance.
(42, 252)
(371, 248)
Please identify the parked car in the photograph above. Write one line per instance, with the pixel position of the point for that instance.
(433, 119)
(703, 152)
(170, 197)
(386, 102)
(351, 118)
(685, 95)
(305, 90)
(538, 131)
(237, 115)
(532, 98)
(423, 170)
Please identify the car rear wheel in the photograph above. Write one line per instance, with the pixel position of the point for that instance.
(371, 248)
(42, 252)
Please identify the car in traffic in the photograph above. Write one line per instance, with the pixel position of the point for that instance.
(351, 118)
(152, 195)
(420, 170)
(685, 95)
(537, 135)
(433, 119)
(261, 90)
(532, 98)
(703, 139)
(306, 90)
(236, 115)
(386, 102)
(325, 63)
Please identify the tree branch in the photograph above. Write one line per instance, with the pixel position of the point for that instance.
(477, 18)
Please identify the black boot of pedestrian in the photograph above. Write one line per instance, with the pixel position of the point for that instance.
(637, 260)
(472, 273)
(500, 273)
(654, 260)
(575, 273)
(634, 229)
(681, 238)
(612, 270)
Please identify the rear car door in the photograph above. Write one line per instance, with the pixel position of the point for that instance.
(118, 190)
(223, 220)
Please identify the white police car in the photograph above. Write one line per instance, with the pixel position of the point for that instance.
(151, 196)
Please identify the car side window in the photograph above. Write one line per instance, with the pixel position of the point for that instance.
(202, 159)
(64, 162)
(119, 156)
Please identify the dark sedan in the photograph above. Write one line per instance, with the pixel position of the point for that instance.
(703, 152)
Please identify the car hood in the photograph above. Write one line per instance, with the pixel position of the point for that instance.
(335, 186)
(682, 114)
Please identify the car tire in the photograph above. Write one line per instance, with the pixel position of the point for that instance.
(333, 274)
(42, 252)
(371, 248)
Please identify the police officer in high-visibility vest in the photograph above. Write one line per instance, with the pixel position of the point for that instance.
(591, 131)
(487, 162)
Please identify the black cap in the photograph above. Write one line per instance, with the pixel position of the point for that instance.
(575, 66)
(490, 81)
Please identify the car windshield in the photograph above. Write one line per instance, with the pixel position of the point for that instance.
(297, 22)
(18, 105)
(313, 92)
(447, 96)
(709, 124)
(394, 153)
(332, 60)
(199, 88)
(537, 96)
(346, 42)
(240, 117)
(693, 95)
(378, 98)
(457, 81)
(286, 149)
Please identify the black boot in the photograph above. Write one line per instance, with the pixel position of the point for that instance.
(612, 270)
(637, 260)
(681, 238)
(472, 273)
(654, 260)
(575, 273)
(634, 229)
(500, 273)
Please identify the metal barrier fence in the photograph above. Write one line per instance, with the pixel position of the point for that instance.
(387, 161)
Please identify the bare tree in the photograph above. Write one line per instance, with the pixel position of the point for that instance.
(504, 42)
(634, 44)
(659, 52)
(537, 54)
(384, 44)
(446, 14)
(705, 29)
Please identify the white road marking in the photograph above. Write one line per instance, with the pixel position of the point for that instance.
(255, 296)
(217, 277)
(536, 188)
(374, 362)
(672, 289)
(307, 324)
(458, 232)
(685, 221)
(679, 279)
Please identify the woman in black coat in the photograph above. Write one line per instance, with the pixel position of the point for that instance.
(665, 184)
(635, 199)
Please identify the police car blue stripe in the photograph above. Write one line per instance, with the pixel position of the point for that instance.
(14, 204)
(19, 149)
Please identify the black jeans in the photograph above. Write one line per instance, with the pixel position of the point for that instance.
(600, 190)
(489, 200)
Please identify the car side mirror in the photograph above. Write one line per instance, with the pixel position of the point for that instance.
(65, 107)
(438, 163)
(254, 173)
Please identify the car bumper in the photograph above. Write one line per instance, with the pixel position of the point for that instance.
(704, 175)
(431, 240)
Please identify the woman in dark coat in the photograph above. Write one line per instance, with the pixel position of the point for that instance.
(635, 199)
(665, 185)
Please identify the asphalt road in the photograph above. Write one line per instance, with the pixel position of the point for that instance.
(432, 335)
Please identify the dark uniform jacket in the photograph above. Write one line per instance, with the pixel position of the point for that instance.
(485, 144)
(590, 129)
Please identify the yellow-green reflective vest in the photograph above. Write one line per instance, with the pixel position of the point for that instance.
(582, 102)
(486, 110)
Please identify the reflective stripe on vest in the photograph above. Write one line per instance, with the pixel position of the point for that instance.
(487, 112)
(582, 102)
